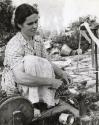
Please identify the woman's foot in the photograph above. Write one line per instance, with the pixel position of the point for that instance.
(40, 106)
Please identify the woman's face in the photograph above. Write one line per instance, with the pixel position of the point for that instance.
(29, 27)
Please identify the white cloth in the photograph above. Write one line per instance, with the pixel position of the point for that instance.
(40, 67)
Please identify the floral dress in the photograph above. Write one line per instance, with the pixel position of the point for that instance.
(15, 51)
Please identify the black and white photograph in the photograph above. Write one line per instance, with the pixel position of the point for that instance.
(49, 62)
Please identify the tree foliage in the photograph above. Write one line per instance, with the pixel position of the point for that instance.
(73, 40)
(6, 28)
(71, 37)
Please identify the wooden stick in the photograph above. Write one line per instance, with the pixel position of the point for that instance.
(92, 53)
(96, 66)
(78, 51)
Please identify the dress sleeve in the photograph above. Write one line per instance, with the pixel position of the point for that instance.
(14, 53)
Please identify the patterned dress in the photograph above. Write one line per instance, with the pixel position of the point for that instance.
(15, 51)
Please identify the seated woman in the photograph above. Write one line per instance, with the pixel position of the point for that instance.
(24, 60)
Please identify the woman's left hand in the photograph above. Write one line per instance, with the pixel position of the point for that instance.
(67, 78)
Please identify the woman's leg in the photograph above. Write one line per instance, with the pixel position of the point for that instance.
(40, 67)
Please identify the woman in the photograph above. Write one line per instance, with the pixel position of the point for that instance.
(16, 77)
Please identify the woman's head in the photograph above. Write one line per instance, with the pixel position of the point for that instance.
(22, 13)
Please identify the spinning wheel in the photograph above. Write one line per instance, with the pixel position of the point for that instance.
(16, 106)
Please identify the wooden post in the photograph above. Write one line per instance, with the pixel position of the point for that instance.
(78, 52)
(83, 108)
(92, 54)
(96, 66)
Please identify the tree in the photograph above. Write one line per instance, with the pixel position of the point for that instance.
(6, 28)
(73, 40)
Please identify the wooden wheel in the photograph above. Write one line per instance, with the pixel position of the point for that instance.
(15, 104)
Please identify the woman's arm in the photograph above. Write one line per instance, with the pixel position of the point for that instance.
(61, 74)
(28, 80)
(93, 37)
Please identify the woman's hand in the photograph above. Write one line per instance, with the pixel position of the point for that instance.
(67, 78)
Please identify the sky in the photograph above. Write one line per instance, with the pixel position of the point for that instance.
(56, 14)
